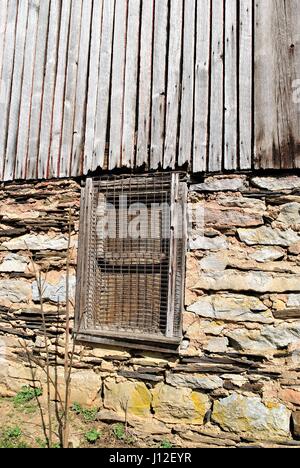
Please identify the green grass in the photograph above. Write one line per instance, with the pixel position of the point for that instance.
(89, 415)
(25, 399)
(119, 431)
(166, 444)
(41, 443)
(92, 436)
(26, 395)
(11, 438)
(13, 433)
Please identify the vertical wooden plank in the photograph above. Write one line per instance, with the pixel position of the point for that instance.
(105, 71)
(49, 89)
(173, 255)
(58, 107)
(90, 261)
(37, 90)
(3, 26)
(277, 66)
(96, 33)
(87, 281)
(79, 307)
(131, 75)
(231, 87)
(266, 136)
(293, 98)
(3, 22)
(187, 98)
(159, 84)
(145, 80)
(6, 76)
(185, 198)
(118, 74)
(81, 91)
(245, 83)
(173, 88)
(16, 90)
(217, 87)
(202, 86)
(26, 92)
(70, 92)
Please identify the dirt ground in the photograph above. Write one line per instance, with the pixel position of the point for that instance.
(21, 427)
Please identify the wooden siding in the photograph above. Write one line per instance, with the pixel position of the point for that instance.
(203, 84)
(277, 84)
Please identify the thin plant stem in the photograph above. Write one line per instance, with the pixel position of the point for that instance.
(68, 368)
(40, 291)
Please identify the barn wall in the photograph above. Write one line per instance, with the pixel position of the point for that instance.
(277, 84)
(241, 334)
(89, 84)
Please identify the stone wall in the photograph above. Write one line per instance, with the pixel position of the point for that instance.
(236, 379)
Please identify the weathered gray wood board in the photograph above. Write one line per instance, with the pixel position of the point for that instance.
(105, 84)
(277, 85)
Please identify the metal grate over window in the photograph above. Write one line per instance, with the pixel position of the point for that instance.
(131, 260)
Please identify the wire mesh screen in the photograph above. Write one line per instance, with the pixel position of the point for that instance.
(127, 292)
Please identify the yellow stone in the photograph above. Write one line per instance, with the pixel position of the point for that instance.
(131, 398)
(179, 405)
(250, 415)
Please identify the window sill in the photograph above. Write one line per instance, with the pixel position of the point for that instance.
(145, 342)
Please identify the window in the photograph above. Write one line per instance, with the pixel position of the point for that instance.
(131, 261)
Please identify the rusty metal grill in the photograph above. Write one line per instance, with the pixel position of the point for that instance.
(127, 278)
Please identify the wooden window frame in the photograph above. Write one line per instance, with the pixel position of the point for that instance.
(170, 341)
